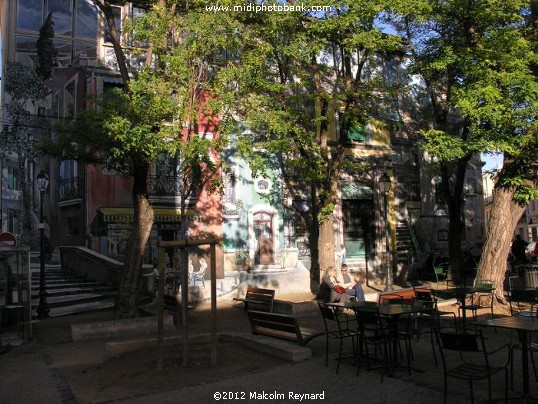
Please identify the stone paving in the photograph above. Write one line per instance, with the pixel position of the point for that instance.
(54, 369)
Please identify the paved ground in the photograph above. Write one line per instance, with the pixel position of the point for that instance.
(54, 369)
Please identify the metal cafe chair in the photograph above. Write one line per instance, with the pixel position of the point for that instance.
(337, 327)
(431, 315)
(376, 333)
(473, 360)
(481, 300)
(440, 274)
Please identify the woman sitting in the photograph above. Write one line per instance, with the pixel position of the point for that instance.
(338, 292)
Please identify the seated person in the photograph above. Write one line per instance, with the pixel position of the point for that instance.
(353, 286)
(338, 292)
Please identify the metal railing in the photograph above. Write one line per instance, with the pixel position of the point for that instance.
(70, 189)
(163, 185)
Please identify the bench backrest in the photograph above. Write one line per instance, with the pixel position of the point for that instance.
(260, 299)
(285, 326)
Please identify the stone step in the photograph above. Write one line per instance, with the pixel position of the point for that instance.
(73, 290)
(81, 308)
(67, 300)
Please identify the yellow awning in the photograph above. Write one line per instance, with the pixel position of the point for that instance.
(125, 215)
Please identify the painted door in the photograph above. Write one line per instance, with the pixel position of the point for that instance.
(263, 232)
(358, 227)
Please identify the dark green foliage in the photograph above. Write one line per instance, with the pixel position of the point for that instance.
(46, 52)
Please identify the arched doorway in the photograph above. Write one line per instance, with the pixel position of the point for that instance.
(262, 224)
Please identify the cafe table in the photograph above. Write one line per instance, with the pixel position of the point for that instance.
(460, 293)
(524, 326)
(391, 312)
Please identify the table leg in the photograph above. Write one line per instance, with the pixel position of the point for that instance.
(524, 341)
(463, 314)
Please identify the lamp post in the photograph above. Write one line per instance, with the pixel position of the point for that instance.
(43, 309)
(384, 186)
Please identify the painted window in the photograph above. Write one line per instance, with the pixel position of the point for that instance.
(230, 181)
(68, 169)
(70, 96)
(13, 179)
(414, 191)
(14, 221)
(29, 15)
(86, 20)
(62, 16)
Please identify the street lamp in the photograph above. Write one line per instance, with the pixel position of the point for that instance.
(384, 186)
(43, 309)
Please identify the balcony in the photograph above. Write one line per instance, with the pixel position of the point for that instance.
(162, 185)
(70, 191)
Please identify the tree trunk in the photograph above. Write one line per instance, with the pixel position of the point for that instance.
(315, 277)
(455, 228)
(313, 239)
(140, 232)
(504, 217)
(326, 243)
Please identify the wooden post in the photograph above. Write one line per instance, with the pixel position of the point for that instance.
(185, 308)
(160, 309)
(185, 244)
(212, 255)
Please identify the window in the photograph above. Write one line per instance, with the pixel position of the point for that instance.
(357, 133)
(117, 22)
(414, 191)
(13, 179)
(26, 48)
(289, 233)
(230, 181)
(86, 21)
(68, 169)
(70, 96)
(29, 15)
(62, 16)
(64, 48)
(14, 221)
(439, 200)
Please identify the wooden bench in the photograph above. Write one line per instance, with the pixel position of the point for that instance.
(258, 299)
(280, 326)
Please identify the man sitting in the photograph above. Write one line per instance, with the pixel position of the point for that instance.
(353, 286)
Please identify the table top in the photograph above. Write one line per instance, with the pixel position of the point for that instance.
(461, 291)
(513, 323)
(385, 309)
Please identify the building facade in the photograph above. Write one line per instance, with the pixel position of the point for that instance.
(88, 205)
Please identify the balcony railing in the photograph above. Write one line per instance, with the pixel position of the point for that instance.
(70, 189)
(163, 185)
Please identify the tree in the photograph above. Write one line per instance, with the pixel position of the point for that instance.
(517, 180)
(295, 73)
(474, 63)
(156, 112)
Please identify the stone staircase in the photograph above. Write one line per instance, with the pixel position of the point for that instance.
(404, 247)
(67, 294)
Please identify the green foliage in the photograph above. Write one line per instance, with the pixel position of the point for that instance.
(293, 75)
(476, 60)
